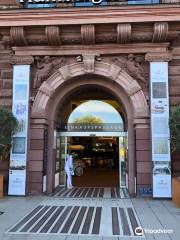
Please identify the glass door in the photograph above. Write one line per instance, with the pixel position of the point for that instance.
(123, 162)
(62, 158)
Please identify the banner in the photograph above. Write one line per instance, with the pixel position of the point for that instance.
(20, 109)
(160, 129)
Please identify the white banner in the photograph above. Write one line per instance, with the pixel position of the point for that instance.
(20, 109)
(160, 129)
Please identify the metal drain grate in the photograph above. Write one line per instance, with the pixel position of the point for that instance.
(81, 220)
(91, 192)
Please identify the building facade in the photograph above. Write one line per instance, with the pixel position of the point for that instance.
(78, 53)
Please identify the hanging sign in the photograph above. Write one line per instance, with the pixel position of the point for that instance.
(160, 130)
(20, 109)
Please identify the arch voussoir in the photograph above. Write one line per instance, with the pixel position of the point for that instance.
(110, 71)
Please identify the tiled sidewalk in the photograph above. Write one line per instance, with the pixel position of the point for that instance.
(151, 214)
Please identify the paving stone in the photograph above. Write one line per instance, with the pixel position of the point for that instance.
(112, 238)
(72, 238)
(152, 214)
(55, 237)
(89, 238)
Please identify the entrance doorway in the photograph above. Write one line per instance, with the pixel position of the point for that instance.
(100, 159)
(96, 161)
(94, 133)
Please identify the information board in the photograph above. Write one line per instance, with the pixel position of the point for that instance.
(160, 129)
(20, 109)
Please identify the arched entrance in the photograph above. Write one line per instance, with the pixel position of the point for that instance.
(95, 133)
(56, 91)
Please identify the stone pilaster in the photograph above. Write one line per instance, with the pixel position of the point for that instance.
(143, 157)
(37, 157)
(158, 57)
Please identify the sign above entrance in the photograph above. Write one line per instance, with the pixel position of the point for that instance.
(101, 127)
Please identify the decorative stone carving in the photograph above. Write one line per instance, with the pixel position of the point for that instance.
(45, 67)
(158, 57)
(65, 72)
(160, 32)
(5, 42)
(134, 66)
(53, 35)
(46, 89)
(88, 34)
(17, 36)
(21, 60)
(89, 62)
(123, 33)
(114, 72)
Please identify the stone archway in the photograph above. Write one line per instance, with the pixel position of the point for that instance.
(63, 81)
(49, 88)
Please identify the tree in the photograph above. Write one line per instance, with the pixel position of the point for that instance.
(174, 124)
(89, 119)
(8, 127)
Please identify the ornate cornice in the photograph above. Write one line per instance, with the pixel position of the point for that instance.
(160, 32)
(158, 57)
(21, 60)
(73, 16)
(53, 35)
(123, 33)
(17, 36)
(97, 49)
(88, 34)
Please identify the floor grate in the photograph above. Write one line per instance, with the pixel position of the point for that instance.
(91, 192)
(81, 220)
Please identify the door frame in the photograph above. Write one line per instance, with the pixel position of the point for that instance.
(96, 134)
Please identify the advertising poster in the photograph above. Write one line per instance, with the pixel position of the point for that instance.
(161, 179)
(160, 130)
(16, 182)
(18, 156)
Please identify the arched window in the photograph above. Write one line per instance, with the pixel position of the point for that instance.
(95, 112)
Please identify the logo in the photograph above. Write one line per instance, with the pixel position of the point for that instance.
(139, 231)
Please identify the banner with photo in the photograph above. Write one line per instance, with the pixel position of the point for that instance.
(20, 109)
(160, 129)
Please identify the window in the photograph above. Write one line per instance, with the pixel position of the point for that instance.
(143, 2)
(88, 3)
(40, 5)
